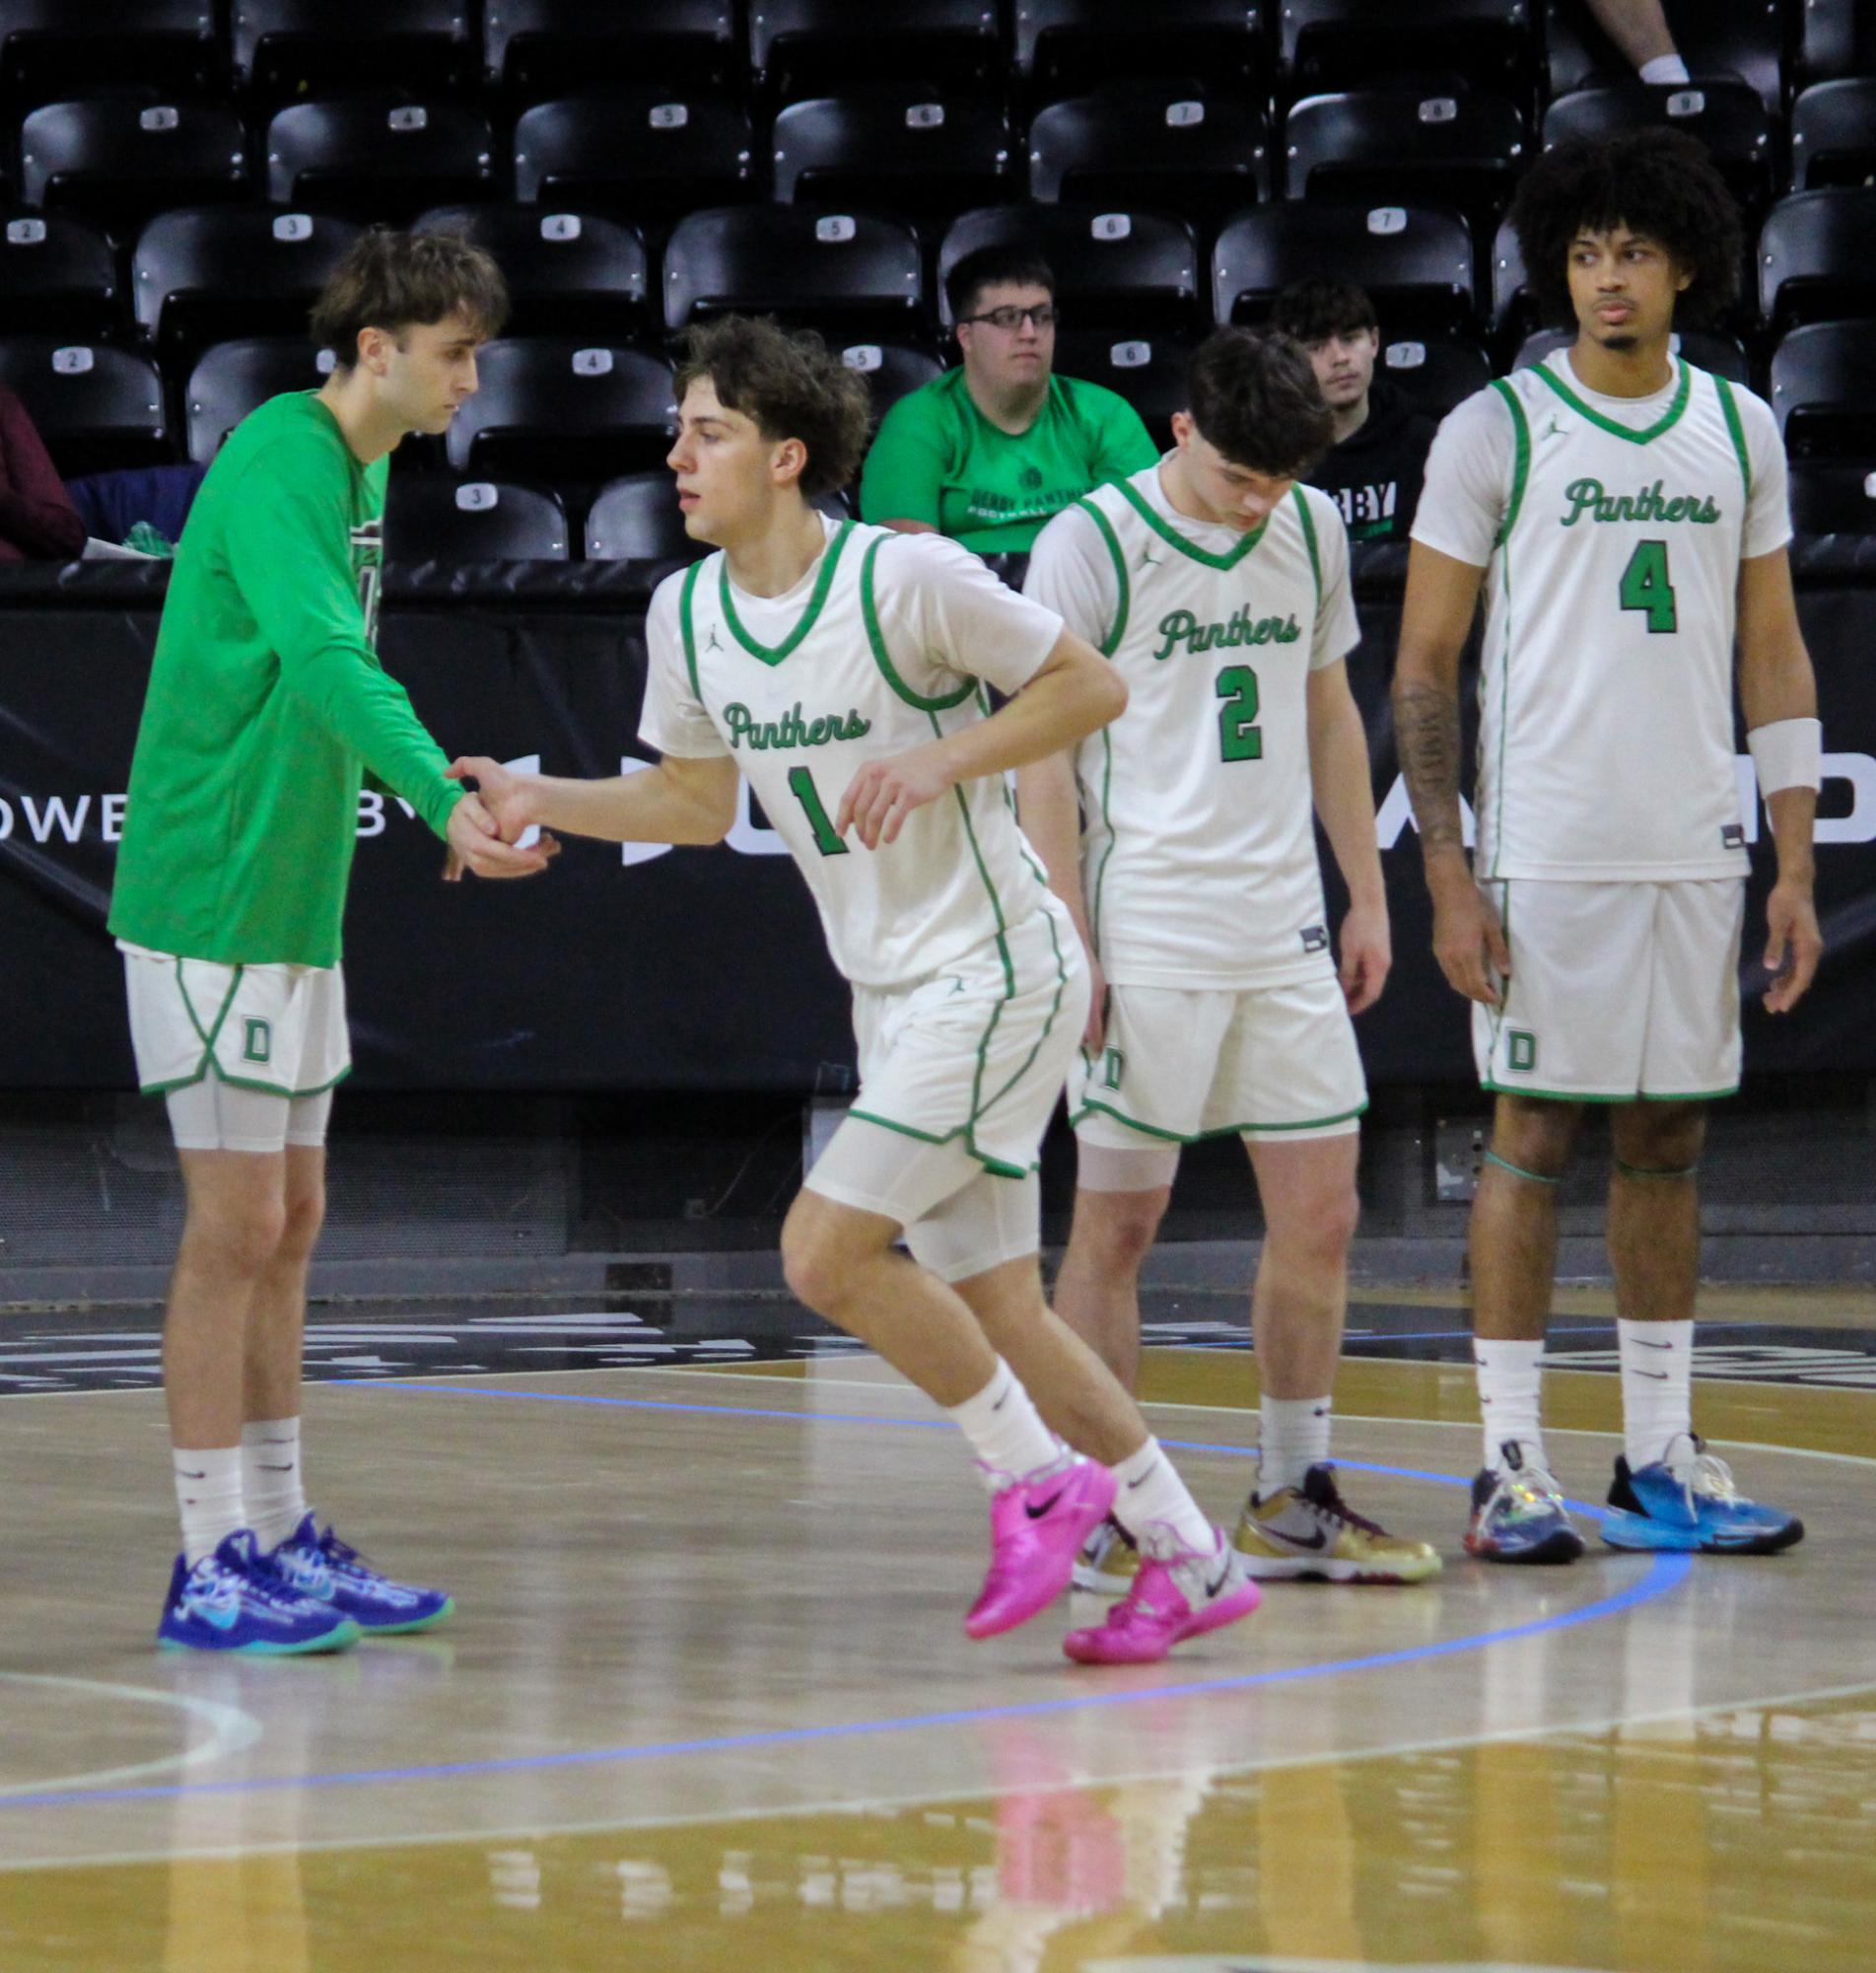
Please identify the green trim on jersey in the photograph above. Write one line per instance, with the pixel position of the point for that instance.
(1173, 538)
(1636, 1097)
(1125, 593)
(774, 654)
(883, 658)
(1048, 1026)
(1670, 417)
(685, 623)
(1309, 542)
(1522, 464)
(1089, 1106)
(1735, 431)
(207, 1035)
(996, 1166)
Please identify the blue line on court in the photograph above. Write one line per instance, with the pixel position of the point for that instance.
(1664, 1573)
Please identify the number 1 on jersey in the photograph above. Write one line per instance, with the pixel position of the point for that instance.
(1238, 735)
(801, 787)
(1645, 586)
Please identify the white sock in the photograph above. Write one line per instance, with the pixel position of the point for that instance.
(1293, 1436)
(208, 1490)
(1664, 69)
(270, 1479)
(1509, 1376)
(1657, 1368)
(1151, 1491)
(1006, 1432)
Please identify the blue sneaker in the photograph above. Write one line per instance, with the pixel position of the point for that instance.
(323, 1568)
(1518, 1514)
(1689, 1504)
(233, 1601)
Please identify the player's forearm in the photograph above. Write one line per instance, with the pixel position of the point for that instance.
(1076, 693)
(1794, 815)
(1777, 683)
(1427, 738)
(648, 808)
(1344, 792)
(1051, 817)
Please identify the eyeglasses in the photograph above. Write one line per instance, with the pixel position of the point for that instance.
(1010, 318)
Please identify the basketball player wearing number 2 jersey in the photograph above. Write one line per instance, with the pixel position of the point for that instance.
(1624, 515)
(840, 669)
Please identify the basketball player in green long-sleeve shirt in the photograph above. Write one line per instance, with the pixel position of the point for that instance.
(266, 708)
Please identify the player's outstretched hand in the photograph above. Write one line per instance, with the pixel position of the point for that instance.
(1367, 955)
(476, 845)
(1794, 945)
(505, 794)
(884, 793)
(1469, 940)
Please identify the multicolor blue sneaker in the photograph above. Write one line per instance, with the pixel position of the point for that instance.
(1688, 1502)
(325, 1570)
(233, 1601)
(1518, 1514)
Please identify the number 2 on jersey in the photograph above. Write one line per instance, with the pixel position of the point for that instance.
(801, 787)
(1238, 736)
(1645, 586)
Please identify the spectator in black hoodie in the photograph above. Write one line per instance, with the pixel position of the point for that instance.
(1374, 470)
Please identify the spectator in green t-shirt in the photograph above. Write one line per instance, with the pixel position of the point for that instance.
(990, 450)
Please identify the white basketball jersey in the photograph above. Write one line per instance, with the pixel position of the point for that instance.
(859, 672)
(1606, 746)
(1198, 850)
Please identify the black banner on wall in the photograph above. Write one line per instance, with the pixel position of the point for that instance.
(680, 968)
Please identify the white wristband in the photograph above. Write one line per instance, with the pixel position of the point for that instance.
(1788, 753)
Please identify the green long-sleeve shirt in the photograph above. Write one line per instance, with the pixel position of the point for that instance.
(266, 704)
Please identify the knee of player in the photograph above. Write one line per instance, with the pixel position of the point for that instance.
(304, 1216)
(1534, 1135)
(1117, 1230)
(1332, 1225)
(816, 1262)
(1660, 1137)
(241, 1238)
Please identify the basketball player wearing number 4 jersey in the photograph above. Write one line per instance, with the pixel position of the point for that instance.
(1219, 589)
(1624, 515)
(841, 669)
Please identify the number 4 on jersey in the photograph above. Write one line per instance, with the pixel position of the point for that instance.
(1645, 586)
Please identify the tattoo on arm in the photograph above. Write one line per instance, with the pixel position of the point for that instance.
(1426, 733)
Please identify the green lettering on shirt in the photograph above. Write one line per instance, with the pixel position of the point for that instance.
(1180, 628)
(791, 730)
(1591, 498)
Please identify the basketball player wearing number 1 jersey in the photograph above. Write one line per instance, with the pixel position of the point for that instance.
(1625, 515)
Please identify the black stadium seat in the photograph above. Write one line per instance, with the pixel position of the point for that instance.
(537, 48)
(231, 379)
(374, 153)
(96, 408)
(1834, 499)
(431, 517)
(1833, 134)
(57, 276)
(1513, 309)
(292, 51)
(1150, 372)
(53, 48)
(848, 273)
(1836, 37)
(900, 146)
(809, 48)
(553, 409)
(1435, 372)
(117, 160)
(1416, 264)
(1065, 47)
(1725, 115)
(212, 273)
(637, 518)
(889, 370)
(1723, 355)
(1817, 256)
(1129, 271)
(644, 153)
(1169, 146)
(1823, 391)
(567, 272)
(1462, 149)
(1331, 44)
(1716, 38)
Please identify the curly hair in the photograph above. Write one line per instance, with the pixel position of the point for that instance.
(1656, 181)
(388, 280)
(1254, 395)
(790, 385)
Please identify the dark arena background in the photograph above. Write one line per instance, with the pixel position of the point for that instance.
(705, 1703)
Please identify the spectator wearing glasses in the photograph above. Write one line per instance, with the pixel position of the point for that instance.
(992, 450)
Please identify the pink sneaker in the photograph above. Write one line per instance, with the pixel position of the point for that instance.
(1036, 1530)
(1174, 1597)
